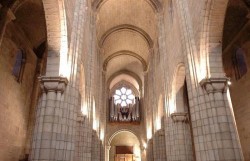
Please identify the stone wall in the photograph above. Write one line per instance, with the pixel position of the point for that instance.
(69, 10)
(197, 21)
(15, 96)
(181, 40)
(84, 42)
(240, 93)
(235, 36)
(167, 55)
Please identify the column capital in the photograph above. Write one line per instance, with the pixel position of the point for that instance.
(180, 117)
(104, 71)
(108, 147)
(215, 85)
(56, 84)
(81, 118)
(161, 132)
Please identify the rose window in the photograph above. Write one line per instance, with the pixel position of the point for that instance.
(124, 97)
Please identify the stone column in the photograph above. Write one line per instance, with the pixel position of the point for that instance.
(80, 138)
(52, 138)
(214, 130)
(107, 149)
(159, 145)
(219, 139)
(180, 138)
(150, 151)
(96, 144)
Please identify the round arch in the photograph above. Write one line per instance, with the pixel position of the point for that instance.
(132, 139)
(155, 4)
(124, 52)
(56, 26)
(123, 27)
(127, 72)
(127, 84)
(213, 24)
(178, 81)
(110, 137)
(179, 76)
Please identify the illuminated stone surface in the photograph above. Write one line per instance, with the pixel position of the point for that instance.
(171, 57)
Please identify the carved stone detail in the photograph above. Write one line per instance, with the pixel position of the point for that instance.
(180, 117)
(80, 118)
(56, 84)
(161, 132)
(108, 147)
(215, 85)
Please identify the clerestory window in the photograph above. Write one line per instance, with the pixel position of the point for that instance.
(17, 70)
(240, 64)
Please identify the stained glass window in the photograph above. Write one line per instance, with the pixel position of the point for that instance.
(240, 64)
(124, 97)
(17, 69)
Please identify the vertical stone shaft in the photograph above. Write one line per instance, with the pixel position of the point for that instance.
(107, 150)
(49, 134)
(180, 140)
(219, 128)
(159, 145)
(215, 136)
(150, 152)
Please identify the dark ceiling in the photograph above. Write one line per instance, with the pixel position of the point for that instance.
(236, 17)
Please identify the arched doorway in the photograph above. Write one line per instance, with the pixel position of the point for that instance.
(124, 146)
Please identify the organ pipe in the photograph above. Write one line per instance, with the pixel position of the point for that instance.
(131, 112)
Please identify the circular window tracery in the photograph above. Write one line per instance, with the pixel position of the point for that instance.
(124, 97)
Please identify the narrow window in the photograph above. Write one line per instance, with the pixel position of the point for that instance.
(239, 62)
(19, 65)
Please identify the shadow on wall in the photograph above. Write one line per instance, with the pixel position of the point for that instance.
(236, 61)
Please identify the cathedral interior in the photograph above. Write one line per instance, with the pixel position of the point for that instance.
(124, 80)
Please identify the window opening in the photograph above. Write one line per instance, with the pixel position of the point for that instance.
(19, 64)
(124, 106)
(239, 63)
(124, 97)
